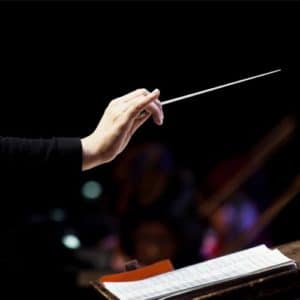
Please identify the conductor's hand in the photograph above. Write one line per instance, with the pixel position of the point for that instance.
(121, 119)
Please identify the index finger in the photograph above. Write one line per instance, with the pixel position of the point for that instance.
(140, 103)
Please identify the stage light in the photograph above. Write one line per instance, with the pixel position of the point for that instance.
(91, 190)
(71, 241)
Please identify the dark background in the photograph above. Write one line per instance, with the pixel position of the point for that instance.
(61, 64)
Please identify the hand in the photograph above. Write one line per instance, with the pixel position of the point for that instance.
(121, 119)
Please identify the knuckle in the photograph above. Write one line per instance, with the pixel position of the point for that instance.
(112, 103)
(143, 91)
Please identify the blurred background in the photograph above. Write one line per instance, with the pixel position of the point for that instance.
(220, 175)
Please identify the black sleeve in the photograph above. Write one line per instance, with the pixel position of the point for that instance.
(59, 155)
(39, 173)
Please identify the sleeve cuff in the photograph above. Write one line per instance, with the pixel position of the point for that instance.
(69, 152)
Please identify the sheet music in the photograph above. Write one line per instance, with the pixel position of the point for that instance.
(218, 270)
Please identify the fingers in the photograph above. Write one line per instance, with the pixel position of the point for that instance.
(139, 122)
(149, 103)
(134, 94)
(133, 106)
(136, 125)
(155, 109)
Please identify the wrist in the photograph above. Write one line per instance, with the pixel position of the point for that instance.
(90, 157)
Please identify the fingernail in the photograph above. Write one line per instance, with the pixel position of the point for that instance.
(161, 120)
(156, 91)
